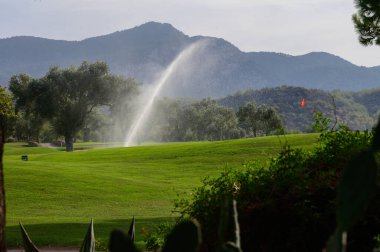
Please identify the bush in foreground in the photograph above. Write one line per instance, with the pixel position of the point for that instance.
(288, 204)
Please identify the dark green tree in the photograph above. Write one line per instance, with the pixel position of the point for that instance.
(321, 123)
(367, 21)
(29, 123)
(270, 119)
(255, 119)
(67, 97)
(248, 118)
(174, 120)
(207, 120)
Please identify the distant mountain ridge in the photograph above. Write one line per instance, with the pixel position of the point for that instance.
(217, 70)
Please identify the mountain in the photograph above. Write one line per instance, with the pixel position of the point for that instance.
(370, 99)
(131, 52)
(214, 68)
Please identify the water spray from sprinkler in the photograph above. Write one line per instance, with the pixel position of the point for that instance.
(141, 119)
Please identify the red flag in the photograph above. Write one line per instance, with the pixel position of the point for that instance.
(303, 103)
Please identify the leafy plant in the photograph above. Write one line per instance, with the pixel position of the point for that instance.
(289, 203)
(154, 240)
(357, 190)
(100, 245)
(321, 123)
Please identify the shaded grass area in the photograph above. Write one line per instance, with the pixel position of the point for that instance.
(55, 194)
(55, 232)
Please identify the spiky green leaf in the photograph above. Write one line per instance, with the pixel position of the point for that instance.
(27, 242)
(334, 243)
(88, 244)
(230, 247)
(131, 231)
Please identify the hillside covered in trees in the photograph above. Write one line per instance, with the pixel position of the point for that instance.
(358, 110)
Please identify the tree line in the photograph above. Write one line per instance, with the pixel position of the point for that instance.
(88, 103)
(358, 110)
(176, 120)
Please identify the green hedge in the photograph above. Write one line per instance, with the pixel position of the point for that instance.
(289, 203)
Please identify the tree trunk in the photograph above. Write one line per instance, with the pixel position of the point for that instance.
(2, 193)
(38, 137)
(69, 142)
(86, 134)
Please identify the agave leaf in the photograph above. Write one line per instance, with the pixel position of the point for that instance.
(223, 221)
(229, 216)
(28, 244)
(334, 243)
(230, 247)
(131, 231)
(88, 244)
(237, 226)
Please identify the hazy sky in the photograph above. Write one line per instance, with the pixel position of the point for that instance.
(293, 26)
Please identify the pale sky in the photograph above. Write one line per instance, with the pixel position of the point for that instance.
(293, 27)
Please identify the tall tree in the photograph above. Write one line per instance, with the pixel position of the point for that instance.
(270, 119)
(6, 114)
(367, 21)
(67, 96)
(207, 120)
(248, 118)
(255, 119)
(30, 122)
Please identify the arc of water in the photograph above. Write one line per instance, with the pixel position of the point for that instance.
(130, 139)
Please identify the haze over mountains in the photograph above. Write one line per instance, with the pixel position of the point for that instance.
(216, 70)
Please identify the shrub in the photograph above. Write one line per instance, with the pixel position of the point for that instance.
(155, 238)
(288, 204)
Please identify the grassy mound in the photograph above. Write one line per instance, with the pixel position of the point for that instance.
(55, 193)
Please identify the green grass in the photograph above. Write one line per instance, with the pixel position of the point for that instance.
(55, 194)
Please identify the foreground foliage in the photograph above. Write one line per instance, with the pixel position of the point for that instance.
(366, 21)
(289, 204)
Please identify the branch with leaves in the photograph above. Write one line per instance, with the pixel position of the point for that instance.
(367, 21)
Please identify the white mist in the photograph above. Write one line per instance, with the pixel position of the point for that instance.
(146, 108)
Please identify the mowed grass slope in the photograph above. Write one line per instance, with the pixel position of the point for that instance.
(55, 194)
